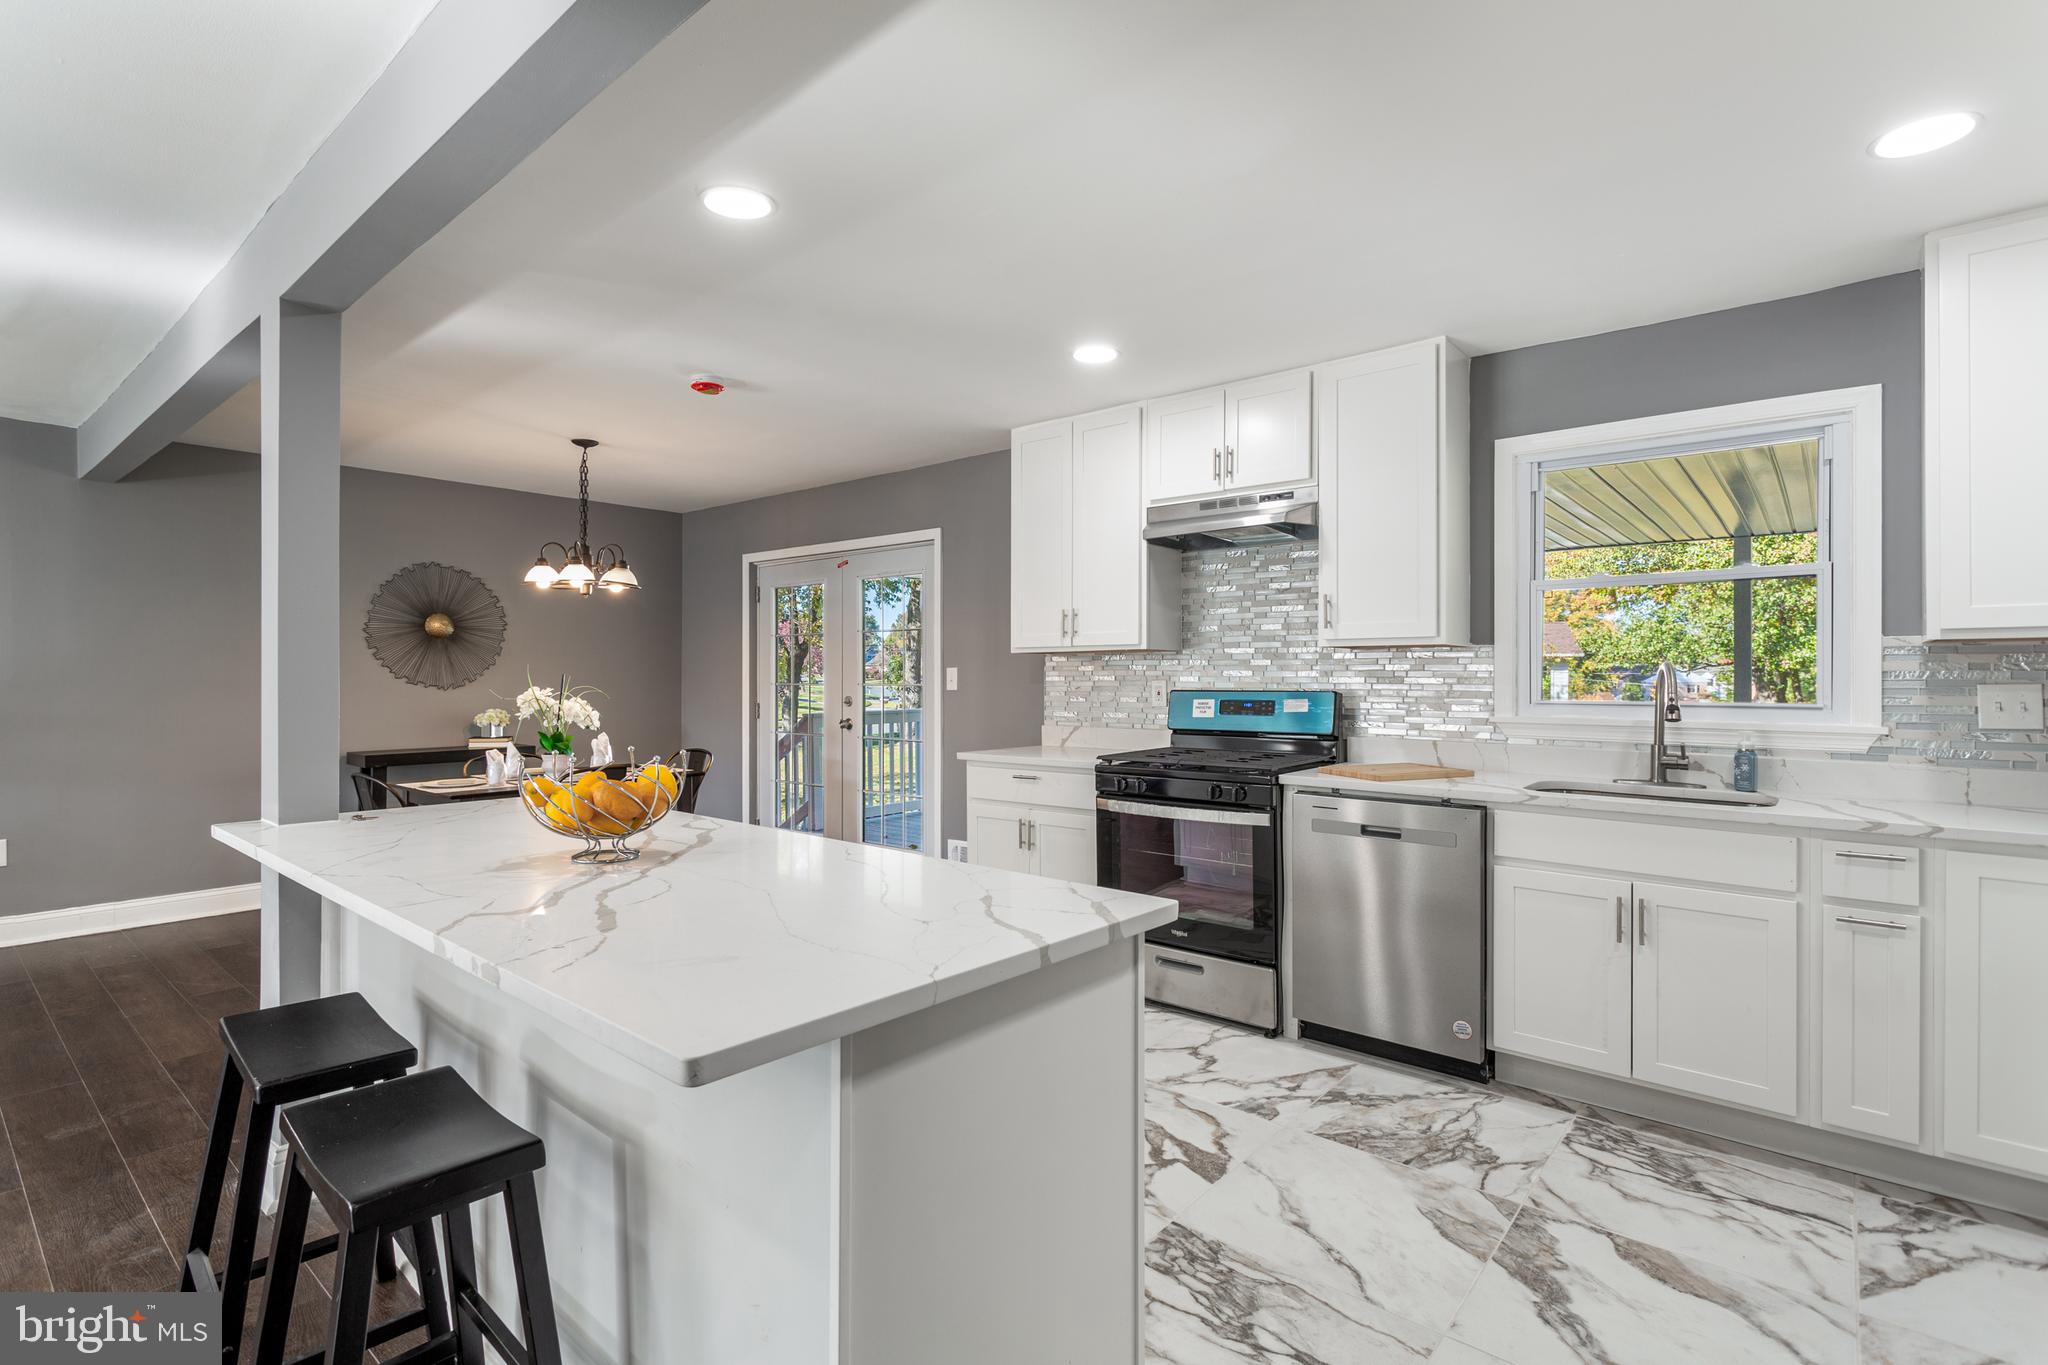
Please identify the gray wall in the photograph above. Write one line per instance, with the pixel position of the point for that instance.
(128, 672)
(128, 651)
(624, 644)
(1000, 694)
(1864, 333)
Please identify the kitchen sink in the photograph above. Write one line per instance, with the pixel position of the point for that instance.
(1646, 791)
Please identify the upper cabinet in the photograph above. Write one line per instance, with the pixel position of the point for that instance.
(1081, 574)
(1986, 446)
(1249, 435)
(1391, 437)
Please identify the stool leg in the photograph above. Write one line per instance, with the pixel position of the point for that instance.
(530, 1268)
(234, 1283)
(426, 1259)
(213, 1170)
(281, 1277)
(469, 1338)
(387, 1260)
(348, 1326)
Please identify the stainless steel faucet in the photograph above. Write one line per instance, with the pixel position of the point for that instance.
(1664, 711)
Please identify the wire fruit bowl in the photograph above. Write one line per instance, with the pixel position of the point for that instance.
(603, 812)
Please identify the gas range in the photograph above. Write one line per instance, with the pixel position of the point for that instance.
(1198, 821)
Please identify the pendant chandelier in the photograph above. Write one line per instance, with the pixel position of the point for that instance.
(582, 570)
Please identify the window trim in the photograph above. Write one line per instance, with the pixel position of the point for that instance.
(1849, 718)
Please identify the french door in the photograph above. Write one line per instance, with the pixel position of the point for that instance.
(841, 657)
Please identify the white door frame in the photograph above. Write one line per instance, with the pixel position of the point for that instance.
(935, 834)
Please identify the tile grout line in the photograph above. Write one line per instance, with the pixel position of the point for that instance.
(22, 1185)
(105, 1127)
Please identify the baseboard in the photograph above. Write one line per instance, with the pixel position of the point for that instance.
(41, 925)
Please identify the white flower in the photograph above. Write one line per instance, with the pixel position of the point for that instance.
(579, 713)
(535, 701)
(496, 715)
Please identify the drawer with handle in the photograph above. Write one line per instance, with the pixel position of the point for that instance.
(1883, 873)
(1069, 789)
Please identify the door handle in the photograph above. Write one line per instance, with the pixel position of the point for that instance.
(1642, 922)
(1229, 463)
(1620, 915)
(1326, 611)
(1063, 623)
(1020, 831)
(846, 722)
(1031, 835)
(1215, 464)
(1868, 923)
(1074, 632)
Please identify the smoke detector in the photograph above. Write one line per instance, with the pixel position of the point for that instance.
(708, 384)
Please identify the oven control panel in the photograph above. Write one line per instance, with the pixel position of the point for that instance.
(1252, 713)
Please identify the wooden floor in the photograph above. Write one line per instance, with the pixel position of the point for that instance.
(110, 1056)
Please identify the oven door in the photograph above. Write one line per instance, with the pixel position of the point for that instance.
(1218, 862)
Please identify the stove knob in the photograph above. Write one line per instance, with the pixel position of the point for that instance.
(1219, 793)
(1131, 784)
(1243, 794)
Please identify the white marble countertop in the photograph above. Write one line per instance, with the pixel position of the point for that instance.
(1079, 757)
(1932, 821)
(725, 946)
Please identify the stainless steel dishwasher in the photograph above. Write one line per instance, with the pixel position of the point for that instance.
(1385, 913)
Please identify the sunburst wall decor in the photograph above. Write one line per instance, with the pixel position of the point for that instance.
(435, 626)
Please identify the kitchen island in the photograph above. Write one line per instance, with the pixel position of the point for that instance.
(804, 1101)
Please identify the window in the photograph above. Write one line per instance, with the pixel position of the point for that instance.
(1737, 544)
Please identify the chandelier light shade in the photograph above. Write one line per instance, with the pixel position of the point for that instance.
(582, 570)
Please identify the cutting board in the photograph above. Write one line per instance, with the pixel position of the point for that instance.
(1393, 772)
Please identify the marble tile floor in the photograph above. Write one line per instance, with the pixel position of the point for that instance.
(1308, 1207)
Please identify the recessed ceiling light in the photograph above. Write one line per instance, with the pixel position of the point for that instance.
(737, 201)
(1924, 135)
(1095, 353)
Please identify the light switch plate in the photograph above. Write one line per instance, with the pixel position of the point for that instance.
(3, 853)
(952, 680)
(2009, 706)
(1159, 694)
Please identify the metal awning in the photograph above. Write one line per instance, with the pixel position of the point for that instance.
(1767, 490)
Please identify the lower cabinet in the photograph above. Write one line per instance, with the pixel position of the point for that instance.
(1995, 1072)
(1046, 840)
(1561, 968)
(1870, 1022)
(1693, 989)
(1717, 994)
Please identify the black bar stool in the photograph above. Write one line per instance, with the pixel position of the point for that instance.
(394, 1158)
(280, 1055)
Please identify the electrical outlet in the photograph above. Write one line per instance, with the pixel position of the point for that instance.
(952, 680)
(3, 853)
(956, 850)
(2009, 706)
(1159, 694)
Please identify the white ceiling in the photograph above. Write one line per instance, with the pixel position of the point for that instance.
(142, 140)
(970, 187)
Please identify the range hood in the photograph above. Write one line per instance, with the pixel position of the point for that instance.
(1246, 519)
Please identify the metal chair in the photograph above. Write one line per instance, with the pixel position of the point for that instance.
(375, 794)
(695, 768)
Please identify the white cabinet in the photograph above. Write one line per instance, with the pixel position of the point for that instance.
(1184, 445)
(1267, 442)
(1995, 1072)
(1717, 994)
(1870, 1022)
(1689, 988)
(1986, 456)
(1248, 435)
(1081, 574)
(1041, 532)
(1561, 970)
(1049, 841)
(1391, 438)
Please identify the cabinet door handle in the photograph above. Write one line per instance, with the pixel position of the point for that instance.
(1215, 464)
(1620, 918)
(1023, 777)
(1063, 623)
(1326, 611)
(1642, 922)
(1229, 463)
(1872, 857)
(1074, 630)
(1868, 923)
(1031, 835)
(1020, 831)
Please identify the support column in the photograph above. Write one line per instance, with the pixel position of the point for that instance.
(301, 710)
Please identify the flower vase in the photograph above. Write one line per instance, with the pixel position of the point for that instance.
(557, 767)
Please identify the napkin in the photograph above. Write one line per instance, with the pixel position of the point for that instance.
(601, 750)
(494, 767)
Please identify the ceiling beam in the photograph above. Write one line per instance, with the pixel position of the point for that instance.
(477, 87)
